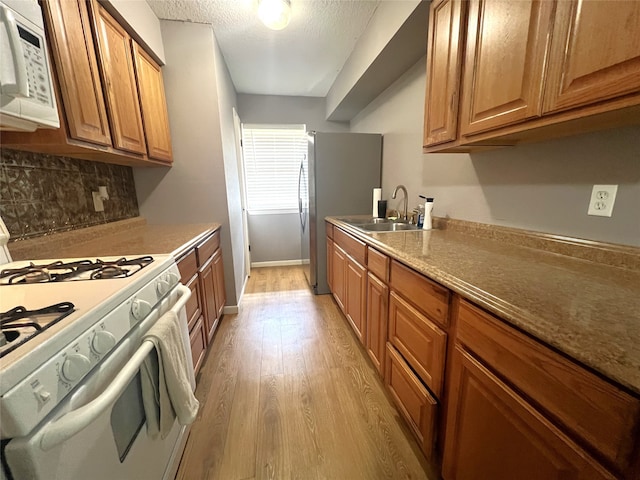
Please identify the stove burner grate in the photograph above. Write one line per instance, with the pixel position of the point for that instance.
(10, 322)
(59, 271)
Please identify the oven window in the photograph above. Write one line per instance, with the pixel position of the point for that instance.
(127, 417)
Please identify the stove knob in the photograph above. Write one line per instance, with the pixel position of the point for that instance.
(75, 366)
(140, 309)
(162, 287)
(102, 342)
(172, 278)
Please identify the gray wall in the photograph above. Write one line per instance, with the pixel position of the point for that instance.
(277, 237)
(194, 190)
(227, 101)
(544, 187)
(274, 238)
(282, 110)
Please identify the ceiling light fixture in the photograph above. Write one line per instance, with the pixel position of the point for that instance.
(275, 14)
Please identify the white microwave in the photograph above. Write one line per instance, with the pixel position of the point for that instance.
(27, 98)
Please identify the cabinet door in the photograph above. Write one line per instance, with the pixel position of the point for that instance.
(330, 264)
(444, 63)
(356, 295)
(339, 271)
(116, 64)
(377, 315)
(504, 62)
(154, 105)
(219, 290)
(194, 304)
(198, 344)
(595, 53)
(77, 70)
(207, 282)
(494, 434)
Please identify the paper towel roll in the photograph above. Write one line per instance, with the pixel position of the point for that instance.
(377, 195)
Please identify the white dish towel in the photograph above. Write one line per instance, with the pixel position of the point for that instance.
(166, 389)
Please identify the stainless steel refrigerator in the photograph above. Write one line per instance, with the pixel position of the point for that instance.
(337, 177)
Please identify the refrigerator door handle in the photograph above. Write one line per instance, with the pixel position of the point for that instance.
(300, 211)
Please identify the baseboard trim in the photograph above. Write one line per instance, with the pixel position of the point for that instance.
(277, 263)
(230, 309)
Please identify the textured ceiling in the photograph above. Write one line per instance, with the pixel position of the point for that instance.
(303, 59)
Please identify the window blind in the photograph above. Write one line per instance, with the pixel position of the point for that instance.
(272, 156)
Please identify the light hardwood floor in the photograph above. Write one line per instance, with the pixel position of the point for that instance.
(286, 392)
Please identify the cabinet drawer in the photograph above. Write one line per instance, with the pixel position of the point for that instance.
(198, 344)
(415, 403)
(205, 249)
(420, 342)
(592, 409)
(354, 247)
(194, 304)
(428, 296)
(188, 266)
(329, 228)
(378, 264)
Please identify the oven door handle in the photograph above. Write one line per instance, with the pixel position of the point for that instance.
(73, 422)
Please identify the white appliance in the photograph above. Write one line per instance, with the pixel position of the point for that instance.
(27, 98)
(71, 347)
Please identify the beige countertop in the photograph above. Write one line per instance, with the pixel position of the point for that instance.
(127, 237)
(587, 310)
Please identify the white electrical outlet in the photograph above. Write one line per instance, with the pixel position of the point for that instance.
(602, 199)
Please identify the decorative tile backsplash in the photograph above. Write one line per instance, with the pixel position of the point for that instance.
(41, 194)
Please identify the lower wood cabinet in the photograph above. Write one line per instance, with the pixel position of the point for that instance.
(201, 270)
(198, 344)
(349, 279)
(207, 282)
(218, 284)
(377, 321)
(330, 263)
(419, 340)
(514, 408)
(589, 410)
(494, 434)
(414, 401)
(339, 267)
(356, 297)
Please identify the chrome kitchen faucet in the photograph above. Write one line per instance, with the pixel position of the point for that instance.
(406, 200)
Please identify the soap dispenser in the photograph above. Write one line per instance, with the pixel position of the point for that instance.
(428, 208)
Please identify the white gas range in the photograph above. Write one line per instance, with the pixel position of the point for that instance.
(70, 328)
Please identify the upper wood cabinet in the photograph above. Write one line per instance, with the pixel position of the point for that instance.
(102, 93)
(114, 45)
(77, 67)
(444, 63)
(531, 70)
(595, 53)
(154, 105)
(504, 62)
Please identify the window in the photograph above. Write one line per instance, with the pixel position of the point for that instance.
(272, 156)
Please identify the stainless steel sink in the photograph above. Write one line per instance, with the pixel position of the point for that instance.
(357, 221)
(387, 227)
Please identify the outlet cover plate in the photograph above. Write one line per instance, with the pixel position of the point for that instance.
(602, 199)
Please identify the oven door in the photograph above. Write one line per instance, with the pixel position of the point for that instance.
(99, 431)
